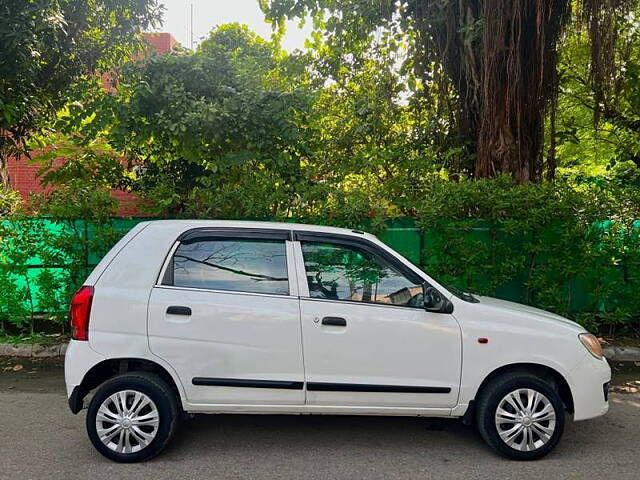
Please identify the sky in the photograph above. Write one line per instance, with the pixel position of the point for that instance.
(209, 13)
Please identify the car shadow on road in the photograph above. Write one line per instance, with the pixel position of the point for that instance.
(323, 430)
(324, 434)
(314, 439)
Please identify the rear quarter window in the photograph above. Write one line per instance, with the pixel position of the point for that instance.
(241, 265)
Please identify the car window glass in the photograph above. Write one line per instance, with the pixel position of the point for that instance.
(341, 272)
(243, 265)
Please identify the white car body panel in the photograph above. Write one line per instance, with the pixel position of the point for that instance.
(111, 254)
(229, 335)
(78, 360)
(258, 336)
(381, 345)
(522, 336)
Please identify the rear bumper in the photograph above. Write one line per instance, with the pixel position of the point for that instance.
(589, 388)
(78, 360)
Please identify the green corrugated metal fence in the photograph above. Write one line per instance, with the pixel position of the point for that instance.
(402, 234)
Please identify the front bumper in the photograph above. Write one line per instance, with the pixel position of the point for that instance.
(589, 387)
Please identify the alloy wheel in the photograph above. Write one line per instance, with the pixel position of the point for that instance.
(127, 421)
(525, 419)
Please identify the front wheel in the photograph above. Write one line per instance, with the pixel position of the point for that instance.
(521, 416)
(132, 417)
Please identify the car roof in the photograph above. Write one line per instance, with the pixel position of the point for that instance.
(298, 227)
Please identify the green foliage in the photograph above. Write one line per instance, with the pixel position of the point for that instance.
(491, 236)
(206, 134)
(249, 54)
(74, 227)
(38, 298)
(545, 245)
(600, 138)
(484, 73)
(80, 187)
(48, 45)
(352, 132)
(200, 130)
(18, 245)
(9, 201)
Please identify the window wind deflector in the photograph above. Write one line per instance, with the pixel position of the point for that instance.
(210, 233)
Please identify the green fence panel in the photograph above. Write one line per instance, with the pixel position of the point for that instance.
(404, 237)
(428, 249)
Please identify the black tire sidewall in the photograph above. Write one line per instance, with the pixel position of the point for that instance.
(154, 388)
(489, 404)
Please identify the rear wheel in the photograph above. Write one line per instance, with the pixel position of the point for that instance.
(521, 416)
(132, 417)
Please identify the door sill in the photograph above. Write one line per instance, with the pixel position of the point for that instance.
(316, 410)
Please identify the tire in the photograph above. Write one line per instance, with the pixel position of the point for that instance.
(142, 429)
(527, 434)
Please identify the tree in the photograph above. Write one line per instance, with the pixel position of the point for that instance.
(365, 134)
(493, 61)
(249, 53)
(201, 132)
(596, 135)
(47, 45)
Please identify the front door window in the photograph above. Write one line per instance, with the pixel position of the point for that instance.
(344, 272)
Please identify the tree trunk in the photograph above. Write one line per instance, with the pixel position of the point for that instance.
(500, 57)
(446, 28)
(4, 168)
(519, 65)
(551, 155)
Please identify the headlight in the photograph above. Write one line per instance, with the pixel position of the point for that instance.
(592, 344)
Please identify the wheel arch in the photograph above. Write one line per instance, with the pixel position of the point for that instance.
(543, 371)
(106, 369)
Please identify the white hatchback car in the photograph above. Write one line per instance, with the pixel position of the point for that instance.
(248, 317)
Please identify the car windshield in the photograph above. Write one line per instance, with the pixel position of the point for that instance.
(462, 295)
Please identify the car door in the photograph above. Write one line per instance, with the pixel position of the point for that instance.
(367, 340)
(226, 317)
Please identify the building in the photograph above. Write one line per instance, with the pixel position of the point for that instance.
(23, 174)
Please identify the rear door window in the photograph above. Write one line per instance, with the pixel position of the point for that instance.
(241, 265)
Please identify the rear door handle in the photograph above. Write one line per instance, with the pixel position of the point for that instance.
(335, 321)
(178, 310)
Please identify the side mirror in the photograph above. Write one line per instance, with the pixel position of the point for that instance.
(434, 301)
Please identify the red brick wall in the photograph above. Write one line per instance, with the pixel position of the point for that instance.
(23, 178)
(23, 174)
(161, 42)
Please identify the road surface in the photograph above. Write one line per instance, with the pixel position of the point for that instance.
(40, 438)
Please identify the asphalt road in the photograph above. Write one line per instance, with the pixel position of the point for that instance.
(41, 439)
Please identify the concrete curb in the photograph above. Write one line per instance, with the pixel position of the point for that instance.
(613, 354)
(622, 354)
(32, 350)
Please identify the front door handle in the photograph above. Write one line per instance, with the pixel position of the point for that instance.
(178, 310)
(334, 321)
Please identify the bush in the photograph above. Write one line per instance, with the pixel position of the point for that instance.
(568, 247)
(36, 298)
(74, 227)
(9, 202)
(561, 246)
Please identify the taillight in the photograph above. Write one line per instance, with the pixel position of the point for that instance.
(79, 313)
